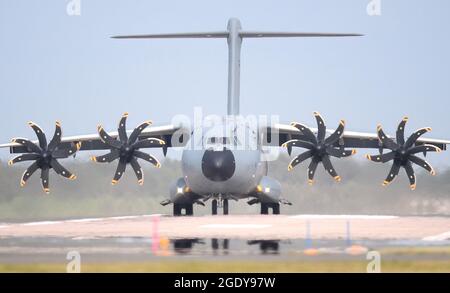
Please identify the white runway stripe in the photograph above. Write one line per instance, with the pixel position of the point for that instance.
(86, 220)
(349, 217)
(235, 226)
(439, 237)
(41, 223)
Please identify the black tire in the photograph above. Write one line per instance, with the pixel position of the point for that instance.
(214, 206)
(177, 210)
(276, 209)
(264, 209)
(225, 206)
(189, 208)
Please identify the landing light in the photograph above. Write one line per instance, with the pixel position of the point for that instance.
(179, 190)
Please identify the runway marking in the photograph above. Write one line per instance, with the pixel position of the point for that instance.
(440, 237)
(41, 223)
(333, 217)
(235, 226)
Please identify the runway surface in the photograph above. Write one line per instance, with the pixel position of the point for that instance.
(322, 227)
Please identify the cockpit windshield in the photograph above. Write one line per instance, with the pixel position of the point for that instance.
(218, 140)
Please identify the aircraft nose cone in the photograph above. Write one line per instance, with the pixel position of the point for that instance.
(218, 165)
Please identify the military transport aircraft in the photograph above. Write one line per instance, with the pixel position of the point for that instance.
(220, 165)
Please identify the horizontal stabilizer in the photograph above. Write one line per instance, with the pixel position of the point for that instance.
(249, 34)
(242, 34)
(223, 34)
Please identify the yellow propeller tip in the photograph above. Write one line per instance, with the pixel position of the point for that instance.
(310, 181)
(290, 168)
(47, 190)
(31, 123)
(337, 178)
(354, 151)
(315, 113)
(428, 129)
(413, 187)
(342, 121)
(93, 159)
(73, 177)
(125, 114)
(22, 183)
(385, 183)
(10, 162)
(368, 157)
(114, 182)
(58, 123)
(432, 172)
(141, 182)
(158, 165)
(405, 118)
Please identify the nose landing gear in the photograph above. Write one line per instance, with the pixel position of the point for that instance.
(219, 203)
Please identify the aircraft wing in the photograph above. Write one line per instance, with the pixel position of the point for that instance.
(93, 141)
(350, 139)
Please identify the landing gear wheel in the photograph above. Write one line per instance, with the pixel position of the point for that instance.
(276, 209)
(177, 209)
(189, 208)
(225, 206)
(214, 206)
(264, 209)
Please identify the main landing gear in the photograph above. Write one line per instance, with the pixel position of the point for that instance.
(274, 206)
(178, 208)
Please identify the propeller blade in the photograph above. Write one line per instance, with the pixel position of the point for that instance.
(392, 174)
(119, 171)
(424, 149)
(411, 175)
(28, 144)
(40, 134)
(147, 157)
(108, 158)
(387, 142)
(134, 135)
(329, 167)
(45, 179)
(336, 134)
(309, 135)
(59, 169)
(320, 127)
(298, 143)
(107, 139)
(382, 158)
(312, 170)
(65, 153)
(137, 170)
(413, 138)
(149, 143)
(56, 140)
(28, 172)
(122, 129)
(400, 134)
(24, 157)
(300, 158)
(422, 163)
(340, 153)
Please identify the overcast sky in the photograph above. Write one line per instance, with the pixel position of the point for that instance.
(55, 66)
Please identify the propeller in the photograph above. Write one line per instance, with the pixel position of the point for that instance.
(319, 148)
(45, 156)
(403, 153)
(127, 149)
